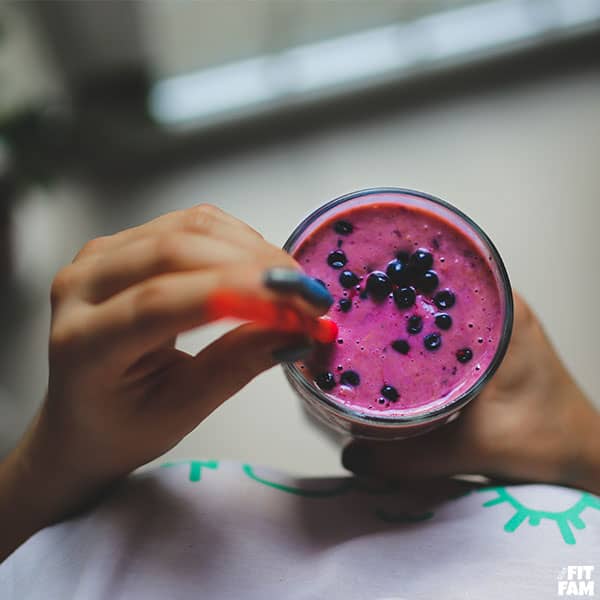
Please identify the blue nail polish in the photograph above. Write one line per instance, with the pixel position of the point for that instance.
(293, 281)
(293, 353)
(282, 279)
(315, 292)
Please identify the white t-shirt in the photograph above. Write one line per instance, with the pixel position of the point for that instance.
(208, 529)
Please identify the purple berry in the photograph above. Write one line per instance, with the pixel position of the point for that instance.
(348, 279)
(404, 297)
(390, 392)
(337, 259)
(421, 260)
(464, 355)
(326, 381)
(345, 304)
(378, 285)
(443, 321)
(350, 378)
(432, 341)
(343, 227)
(399, 273)
(444, 299)
(415, 324)
(401, 346)
(428, 281)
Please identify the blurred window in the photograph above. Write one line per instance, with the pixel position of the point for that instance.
(217, 60)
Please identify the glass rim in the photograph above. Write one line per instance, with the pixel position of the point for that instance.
(295, 374)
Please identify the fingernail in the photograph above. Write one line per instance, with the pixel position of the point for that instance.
(315, 292)
(293, 281)
(357, 459)
(292, 353)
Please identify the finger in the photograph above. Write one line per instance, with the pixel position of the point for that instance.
(203, 383)
(148, 257)
(148, 314)
(204, 219)
(442, 452)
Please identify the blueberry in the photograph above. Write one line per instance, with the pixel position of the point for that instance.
(428, 281)
(399, 272)
(421, 260)
(403, 257)
(321, 282)
(401, 346)
(348, 279)
(337, 259)
(444, 299)
(390, 392)
(464, 355)
(378, 285)
(415, 324)
(350, 378)
(343, 227)
(443, 321)
(345, 304)
(404, 297)
(432, 341)
(381, 400)
(326, 381)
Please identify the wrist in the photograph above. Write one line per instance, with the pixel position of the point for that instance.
(54, 463)
(38, 486)
(23, 507)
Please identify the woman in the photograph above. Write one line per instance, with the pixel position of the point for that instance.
(120, 395)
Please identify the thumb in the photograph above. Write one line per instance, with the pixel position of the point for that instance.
(221, 369)
(442, 452)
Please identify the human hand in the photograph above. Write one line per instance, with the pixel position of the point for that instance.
(119, 393)
(530, 423)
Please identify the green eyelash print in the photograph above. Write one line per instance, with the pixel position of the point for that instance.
(565, 519)
(195, 467)
(342, 488)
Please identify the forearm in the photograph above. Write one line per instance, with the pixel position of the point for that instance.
(20, 517)
(37, 489)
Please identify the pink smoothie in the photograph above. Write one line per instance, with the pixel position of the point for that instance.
(419, 334)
